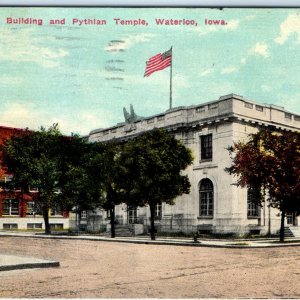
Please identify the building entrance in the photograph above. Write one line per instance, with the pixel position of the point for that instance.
(291, 220)
(132, 214)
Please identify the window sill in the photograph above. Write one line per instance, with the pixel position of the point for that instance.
(207, 165)
(253, 217)
(205, 160)
(205, 217)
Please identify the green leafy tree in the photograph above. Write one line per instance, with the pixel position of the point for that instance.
(270, 161)
(32, 159)
(151, 170)
(113, 193)
(79, 175)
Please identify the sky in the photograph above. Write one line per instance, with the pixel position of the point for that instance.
(81, 76)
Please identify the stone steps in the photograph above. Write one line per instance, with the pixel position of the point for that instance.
(288, 232)
(295, 231)
(122, 230)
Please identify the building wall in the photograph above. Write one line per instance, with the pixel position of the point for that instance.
(231, 118)
(23, 220)
(12, 223)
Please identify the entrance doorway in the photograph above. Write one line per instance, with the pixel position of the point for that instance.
(291, 220)
(131, 214)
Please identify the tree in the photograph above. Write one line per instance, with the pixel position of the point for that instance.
(110, 166)
(79, 175)
(151, 170)
(270, 161)
(88, 176)
(32, 159)
(69, 172)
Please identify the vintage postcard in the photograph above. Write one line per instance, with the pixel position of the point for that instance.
(207, 77)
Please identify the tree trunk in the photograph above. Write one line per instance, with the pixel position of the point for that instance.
(46, 220)
(282, 225)
(152, 227)
(112, 222)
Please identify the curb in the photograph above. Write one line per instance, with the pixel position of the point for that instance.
(29, 266)
(155, 242)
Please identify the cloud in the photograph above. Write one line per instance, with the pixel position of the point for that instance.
(20, 115)
(83, 122)
(207, 72)
(128, 42)
(29, 115)
(233, 24)
(288, 27)
(21, 46)
(10, 80)
(260, 49)
(243, 60)
(229, 70)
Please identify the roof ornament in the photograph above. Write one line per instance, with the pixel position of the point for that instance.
(130, 119)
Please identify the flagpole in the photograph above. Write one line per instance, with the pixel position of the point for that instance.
(171, 77)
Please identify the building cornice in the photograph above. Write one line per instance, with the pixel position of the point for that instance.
(229, 108)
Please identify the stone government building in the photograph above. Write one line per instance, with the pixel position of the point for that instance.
(214, 203)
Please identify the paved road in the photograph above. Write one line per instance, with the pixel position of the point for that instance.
(99, 269)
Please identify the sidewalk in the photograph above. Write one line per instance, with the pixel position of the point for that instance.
(220, 243)
(13, 262)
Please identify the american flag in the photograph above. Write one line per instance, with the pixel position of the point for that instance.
(158, 62)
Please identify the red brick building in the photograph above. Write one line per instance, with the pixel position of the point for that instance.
(17, 209)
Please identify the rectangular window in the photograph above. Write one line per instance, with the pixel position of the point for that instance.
(56, 211)
(132, 214)
(30, 208)
(253, 207)
(33, 209)
(57, 226)
(291, 219)
(33, 189)
(83, 214)
(7, 184)
(206, 204)
(259, 107)
(206, 146)
(248, 105)
(288, 116)
(252, 210)
(213, 106)
(200, 109)
(11, 207)
(158, 211)
(34, 226)
(10, 226)
(6, 207)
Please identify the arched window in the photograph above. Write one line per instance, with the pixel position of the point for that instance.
(206, 193)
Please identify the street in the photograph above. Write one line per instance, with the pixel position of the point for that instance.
(97, 269)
